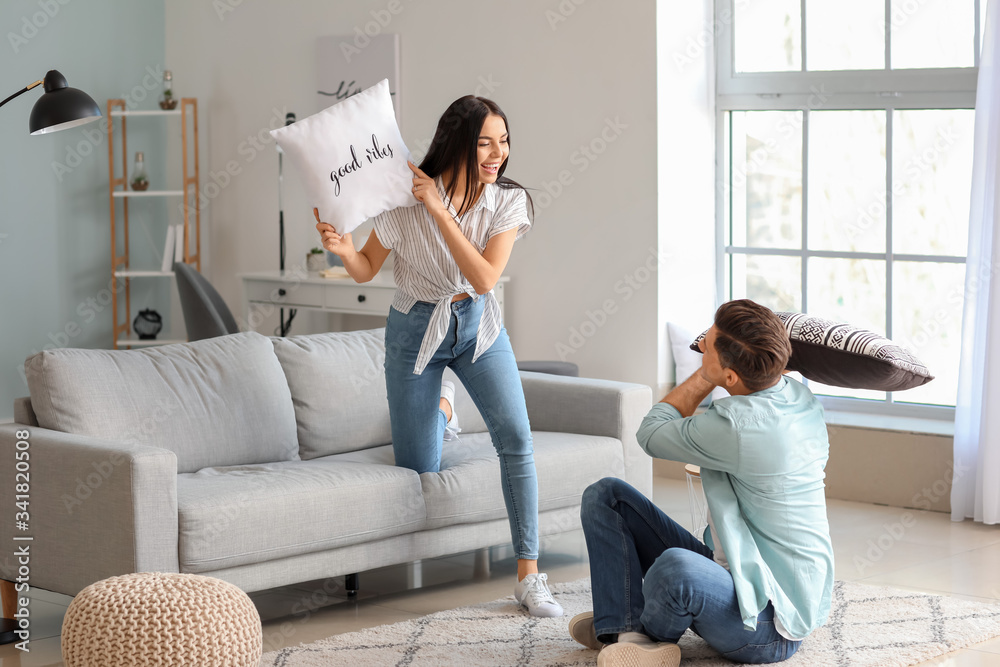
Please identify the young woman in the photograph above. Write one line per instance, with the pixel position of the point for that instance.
(451, 249)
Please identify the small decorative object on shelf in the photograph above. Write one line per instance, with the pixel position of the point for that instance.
(167, 101)
(147, 324)
(315, 260)
(140, 181)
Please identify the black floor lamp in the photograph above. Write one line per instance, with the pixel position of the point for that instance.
(284, 326)
(59, 108)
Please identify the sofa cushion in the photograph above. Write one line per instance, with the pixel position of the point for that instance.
(337, 382)
(214, 402)
(467, 489)
(250, 514)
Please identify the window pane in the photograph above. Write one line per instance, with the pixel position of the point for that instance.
(846, 205)
(848, 290)
(775, 282)
(767, 36)
(932, 176)
(766, 179)
(927, 319)
(933, 33)
(845, 34)
(851, 291)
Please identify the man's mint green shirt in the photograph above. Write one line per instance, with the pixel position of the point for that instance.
(762, 459)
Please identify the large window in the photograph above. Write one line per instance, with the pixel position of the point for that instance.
(845, 156)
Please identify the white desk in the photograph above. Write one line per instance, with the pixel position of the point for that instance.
(264, 291)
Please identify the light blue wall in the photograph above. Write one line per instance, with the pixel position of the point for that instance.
(54, 227)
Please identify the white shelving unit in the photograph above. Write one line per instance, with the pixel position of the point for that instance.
(122, 334)
(148, 193)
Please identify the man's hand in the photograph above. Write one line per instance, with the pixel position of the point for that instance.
(689, 394)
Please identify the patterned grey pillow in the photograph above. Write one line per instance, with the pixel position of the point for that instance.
(842, 355)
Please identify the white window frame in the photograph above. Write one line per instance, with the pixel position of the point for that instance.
(883, 90)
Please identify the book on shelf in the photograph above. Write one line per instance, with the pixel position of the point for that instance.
(168, 250)
(179, 240)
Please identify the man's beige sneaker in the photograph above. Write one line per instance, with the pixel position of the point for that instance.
(581, 629)
(628, 654)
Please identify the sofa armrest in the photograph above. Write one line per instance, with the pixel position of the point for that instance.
(96, 508)
(593, 407)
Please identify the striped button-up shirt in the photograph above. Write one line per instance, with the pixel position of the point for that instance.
(425, 270)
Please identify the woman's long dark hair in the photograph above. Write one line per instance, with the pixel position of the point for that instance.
(455, 145)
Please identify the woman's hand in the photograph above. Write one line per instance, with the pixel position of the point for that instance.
(341, 246)
(425, 190)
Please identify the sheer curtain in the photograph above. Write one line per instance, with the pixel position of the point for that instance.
(975, 490)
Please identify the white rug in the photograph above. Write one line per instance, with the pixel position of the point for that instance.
(868, 626)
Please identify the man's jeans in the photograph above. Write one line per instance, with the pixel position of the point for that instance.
(650, 575)
(494, 384)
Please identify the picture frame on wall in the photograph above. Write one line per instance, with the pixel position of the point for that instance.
(348, 64)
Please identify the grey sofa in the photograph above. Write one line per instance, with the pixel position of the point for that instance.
(267, 462)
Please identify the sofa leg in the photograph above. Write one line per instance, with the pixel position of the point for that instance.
(481, 564)
(8, 625)
(352, 585)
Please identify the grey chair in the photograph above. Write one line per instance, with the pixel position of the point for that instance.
(206, 315)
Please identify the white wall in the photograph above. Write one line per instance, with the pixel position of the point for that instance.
(566, 71)
(686, 166)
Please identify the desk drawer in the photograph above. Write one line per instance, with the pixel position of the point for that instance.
(360, 299)
(291, 293)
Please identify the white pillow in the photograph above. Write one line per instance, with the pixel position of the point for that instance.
(351, 158)
(686, 360)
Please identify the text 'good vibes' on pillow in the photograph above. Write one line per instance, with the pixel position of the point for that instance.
(351, 159)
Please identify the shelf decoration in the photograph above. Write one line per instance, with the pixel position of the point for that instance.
(315, 260)
(140, 180)
(167, 100)
(147, 324)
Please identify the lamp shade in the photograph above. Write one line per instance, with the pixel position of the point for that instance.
(61, 107)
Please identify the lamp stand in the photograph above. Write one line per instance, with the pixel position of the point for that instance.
(22, 91)
(283, 326)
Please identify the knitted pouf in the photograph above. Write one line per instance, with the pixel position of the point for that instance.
(160, 618)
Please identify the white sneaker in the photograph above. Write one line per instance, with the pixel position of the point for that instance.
(532, 592)
(451, 429)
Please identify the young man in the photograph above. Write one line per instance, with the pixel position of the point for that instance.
(762, 580)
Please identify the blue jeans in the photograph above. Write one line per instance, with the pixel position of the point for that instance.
(494, 384)
(650, 575)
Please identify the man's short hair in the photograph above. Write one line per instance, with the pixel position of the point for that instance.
(752, 341)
